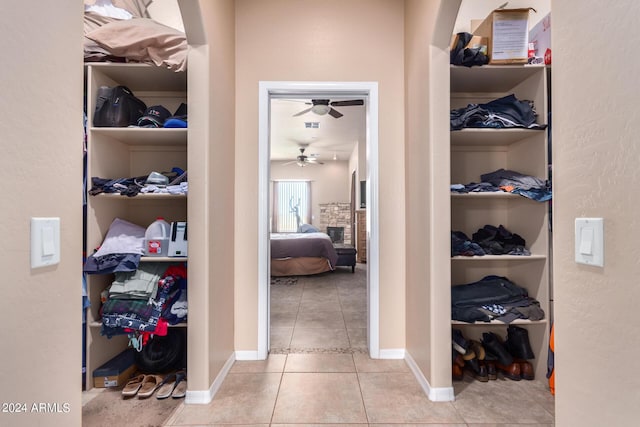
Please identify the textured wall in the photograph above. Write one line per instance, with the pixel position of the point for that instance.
(595, 155)
(41, 139)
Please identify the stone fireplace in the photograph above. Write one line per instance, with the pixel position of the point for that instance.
(336, 214)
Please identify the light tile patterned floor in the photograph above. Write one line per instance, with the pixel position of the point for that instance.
(319, 374)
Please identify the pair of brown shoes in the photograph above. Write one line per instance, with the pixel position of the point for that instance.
(519, 369)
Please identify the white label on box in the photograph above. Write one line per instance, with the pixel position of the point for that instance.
(110, 383)
(509, 39)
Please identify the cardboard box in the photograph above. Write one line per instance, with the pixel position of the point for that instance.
(507, 33)
(117, 371)
(540, 37)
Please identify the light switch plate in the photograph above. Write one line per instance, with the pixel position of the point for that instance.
(589, 241)
(45, 242)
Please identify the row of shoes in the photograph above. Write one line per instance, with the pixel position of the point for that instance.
(164, 386)
(485, 359)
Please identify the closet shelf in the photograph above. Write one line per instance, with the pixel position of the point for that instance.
(135, 136)
(487, 195)
(499, 323)
(141, 196)
(99, 325)
(491, 137)
(163, 259)
(490, 78)
(532, 257)
(142, 77)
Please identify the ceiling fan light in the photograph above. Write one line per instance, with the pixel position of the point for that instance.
(321, 109)
(301, 163)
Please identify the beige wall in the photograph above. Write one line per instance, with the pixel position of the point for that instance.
(211, 190)
(332, 40)
(41, 140)
(330, 183)
(427, 31)
(596, 155)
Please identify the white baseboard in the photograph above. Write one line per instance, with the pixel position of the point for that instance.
(392, 353)
(203, 397)
(435, 394)
(247, 355)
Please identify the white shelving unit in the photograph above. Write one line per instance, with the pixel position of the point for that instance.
(124, 153)
(478, 151)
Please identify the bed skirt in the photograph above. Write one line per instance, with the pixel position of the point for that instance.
(301, 266)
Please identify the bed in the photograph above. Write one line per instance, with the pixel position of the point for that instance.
(301, 254)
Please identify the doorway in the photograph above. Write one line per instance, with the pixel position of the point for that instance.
(369, 92)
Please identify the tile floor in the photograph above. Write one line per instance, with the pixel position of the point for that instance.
(318, 373)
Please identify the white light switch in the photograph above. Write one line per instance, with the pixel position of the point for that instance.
(589, 241)
(45, 242)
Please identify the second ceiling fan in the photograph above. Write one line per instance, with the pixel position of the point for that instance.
(325, 106)
(302, 159)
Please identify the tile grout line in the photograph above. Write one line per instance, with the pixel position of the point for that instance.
(364, 405)
(275, 402)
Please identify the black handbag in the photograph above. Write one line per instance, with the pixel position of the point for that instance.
(117, 107)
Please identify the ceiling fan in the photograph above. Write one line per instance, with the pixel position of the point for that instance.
(325, 106)
(302, 160)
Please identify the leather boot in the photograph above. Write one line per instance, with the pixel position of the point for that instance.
(492, 344)
(511, 371)
(518, 342)
(477, 349)
(457, 363)
(526, 369)
(456, 373)
(492, 374)
(478, 371)
(460, 344)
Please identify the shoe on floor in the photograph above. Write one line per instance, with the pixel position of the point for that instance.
(149, 385)
(181, 386)
(132, 386)
(166, 387)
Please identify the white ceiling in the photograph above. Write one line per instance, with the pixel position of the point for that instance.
(333, 137)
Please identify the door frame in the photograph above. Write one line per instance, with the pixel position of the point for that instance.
(369, 91)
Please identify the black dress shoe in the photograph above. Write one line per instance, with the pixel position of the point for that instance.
(518, 342)
(492, 344)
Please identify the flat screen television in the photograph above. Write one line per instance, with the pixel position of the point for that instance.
(363, 194)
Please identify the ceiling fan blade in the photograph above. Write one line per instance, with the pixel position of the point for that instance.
(290, 163)
(335, 114)
(302, 112)
(347, 103)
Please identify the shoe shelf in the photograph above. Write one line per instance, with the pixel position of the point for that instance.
(474, 152)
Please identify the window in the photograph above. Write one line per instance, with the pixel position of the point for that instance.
(291, 205)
